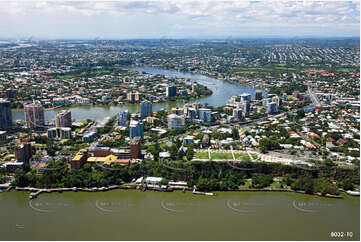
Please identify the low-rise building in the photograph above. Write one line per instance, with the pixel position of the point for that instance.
(175, 121)
(60, 133)
(79, 159)
(12, 166)
(153, 180)
(3, 135)
(89, 136)
(205, 115)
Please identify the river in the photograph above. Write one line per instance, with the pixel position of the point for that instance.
(136, 215)
(222, 91)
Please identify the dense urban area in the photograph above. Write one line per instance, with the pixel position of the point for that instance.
(297, 130)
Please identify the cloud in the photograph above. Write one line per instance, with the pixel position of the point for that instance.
(184, 14)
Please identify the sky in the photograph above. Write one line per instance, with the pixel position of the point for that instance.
(157, 19)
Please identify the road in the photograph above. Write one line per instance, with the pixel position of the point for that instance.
(313, 97)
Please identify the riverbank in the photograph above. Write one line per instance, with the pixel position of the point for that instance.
(222, 91)
(132, 186)
(177, 99)
(196, 72)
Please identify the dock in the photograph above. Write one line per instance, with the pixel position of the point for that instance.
(34, 192)
(202, 193)
(352, 193)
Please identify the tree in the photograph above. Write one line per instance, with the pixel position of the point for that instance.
(21, 179)
(154, 150)
(305, 183)
(287, 179)
(2, 178)
(213, 184)
(325, 186)
(173, 150)
(190, 152)
(261, 180)
(293, 152)
(329, 162)
(202, 184)
(163, 182)
(235, 134)
(268, 144)
(180, 154)
(347, 185)
(301, 113)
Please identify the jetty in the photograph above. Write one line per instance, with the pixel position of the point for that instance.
(352, 193)
(163, 188)
(202, 193)
(35, 192)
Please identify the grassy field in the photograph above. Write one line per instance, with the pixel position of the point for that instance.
(202, 155)
(346, 69)
(275, 184)
(244, 157)
(264, 69)
(224, 156)
(248, 184)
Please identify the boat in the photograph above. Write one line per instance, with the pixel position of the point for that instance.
(163, 188)
(352, 193)
(74, 189)
(33, 195)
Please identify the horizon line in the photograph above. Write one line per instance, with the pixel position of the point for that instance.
(226, 38)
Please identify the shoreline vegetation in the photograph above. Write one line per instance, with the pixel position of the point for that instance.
(205, 176)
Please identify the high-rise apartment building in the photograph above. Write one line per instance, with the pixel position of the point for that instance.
(34, 115)
(272, 108)
(171, 91)
(145, 109)
(135, 148)
(277, 100)
(122, 118)
(6, 120)
(238, 114)
(63, 119)
(245, 97)
(258, 95)
(23, 152)
(136, 129)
